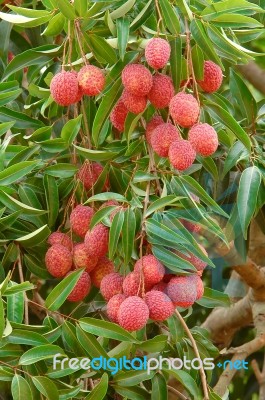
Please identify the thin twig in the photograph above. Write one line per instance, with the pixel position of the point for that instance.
(21, 277)
(177, 393)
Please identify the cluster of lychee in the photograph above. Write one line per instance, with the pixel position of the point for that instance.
(184, 109)
(68, 87)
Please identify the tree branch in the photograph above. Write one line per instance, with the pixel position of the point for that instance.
(254, 74)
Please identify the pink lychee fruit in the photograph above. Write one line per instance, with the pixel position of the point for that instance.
(152, 269)
(82, 258)
(212, 77)
(135, 104)
(91, 80)
(58, 260)
(203, 139)
(199, 264)
(159, 304)
(151, 125)
(162, 138)
(133, 314)
(113, 306)
(64, 88)
(181, 154)
(162, 91)
(157, 53)
(110, 285)
(97, 240)
(184, 109)
(103, 268)
(137, 79)
(80, 219)
(60, 238)
(182, 291)
(81, 289)
(118, 115)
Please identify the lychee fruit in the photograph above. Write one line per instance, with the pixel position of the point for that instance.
(133, 314)
(137, 79)
(161, 286)
(118, 115)
(157, 53)
(97, 240)
(162, 138)
(199, 264)
(151, 125)
(103, 268)
(182, 291)
(162, 91)
(88, 174)
(184, 109)
(80, 91)
(203, 139)
(81, 289)
(152, 269)
(212, 77)
(135, 104)
(181, 154)
(82, 258)
(191, 226)
(110, 285)
(168, 277)
(159, 304)
(113, 306)
(132, 284)
(80, 219)
(199, 285)
(60, 238)
(91, 80)
(58, 260)
(64, 88)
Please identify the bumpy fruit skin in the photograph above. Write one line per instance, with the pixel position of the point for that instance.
(162, 91)
(151, 125)
(134, 104)
(199, 286)
(184, 109)
(60, 238)
(103, 268)
(212, 77)
(153, 270)
(162, 138)
(110, 285)
(181, 154)
(203, 139)
(113, 306)
(91, 80)
(133, 314)
(81, 289)
(88, 174)
(199, 264)
(132, 284)
(194, 228)
(97, 240)
(137, 79)
(159, 304)
(80, 219)
(157, 53)
(58, 260)
(82, 258)
(182, 291)
(118, 115)
(161, 286)
(64, 88)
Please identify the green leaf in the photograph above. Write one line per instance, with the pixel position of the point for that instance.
(99, 392)
(197, 61)
(209, 164)
(71, 129)
(34, 238)
(100, 215)
(175, 61)
(132, 378)
(187, 381)
(107, 196)
(123, 30)
(132, 392)
(5, 127)
(81, 7)
(20, 120)
(66, 9)
(155, 345)
(236, 153)
(213, 298)
(90, 344)
(143, 15)
(171, 260)
(230, 6)
(128, 233)
(23, 21)
(27, 12)
(38, 353)
(20, 287)
(159, 388)
(15, 307)
(106, 329)
(2, 318)
(55, 25)
(101, 49)
(52, 199)
(16, 172)
(16, 205)
(46, 386)
(96, 155)
(61, 170)
(19, 336)
(123, 9)
(20, 388)
(60, 293)
(161, 203)
(170, 17)
(235, 21)
(247, 196)
(115, 232)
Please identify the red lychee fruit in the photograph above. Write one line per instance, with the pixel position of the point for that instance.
(81, 289)
(82, 258)
(64, 88)
(80, 91)
(161, 286)
(199, 285)
(135, 104)
(91, 80)
(113, 306)
(97, 240)
(133, 314)
(88, 174)
(184, 109)
(157, 53)
(60, 238)
(181, 154)
(212, 77)
(118, 115)
(194, 260)
(203, 139)
(151, 125)
(103, 268)
(168, 277)
(159, 304)
(58, 260)
(194, 228)
(182, 291)
(162, 91)
(132, 284)
(111, 284)
(137, 79)
(80, 219)
(162, 138)
(152, 269)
